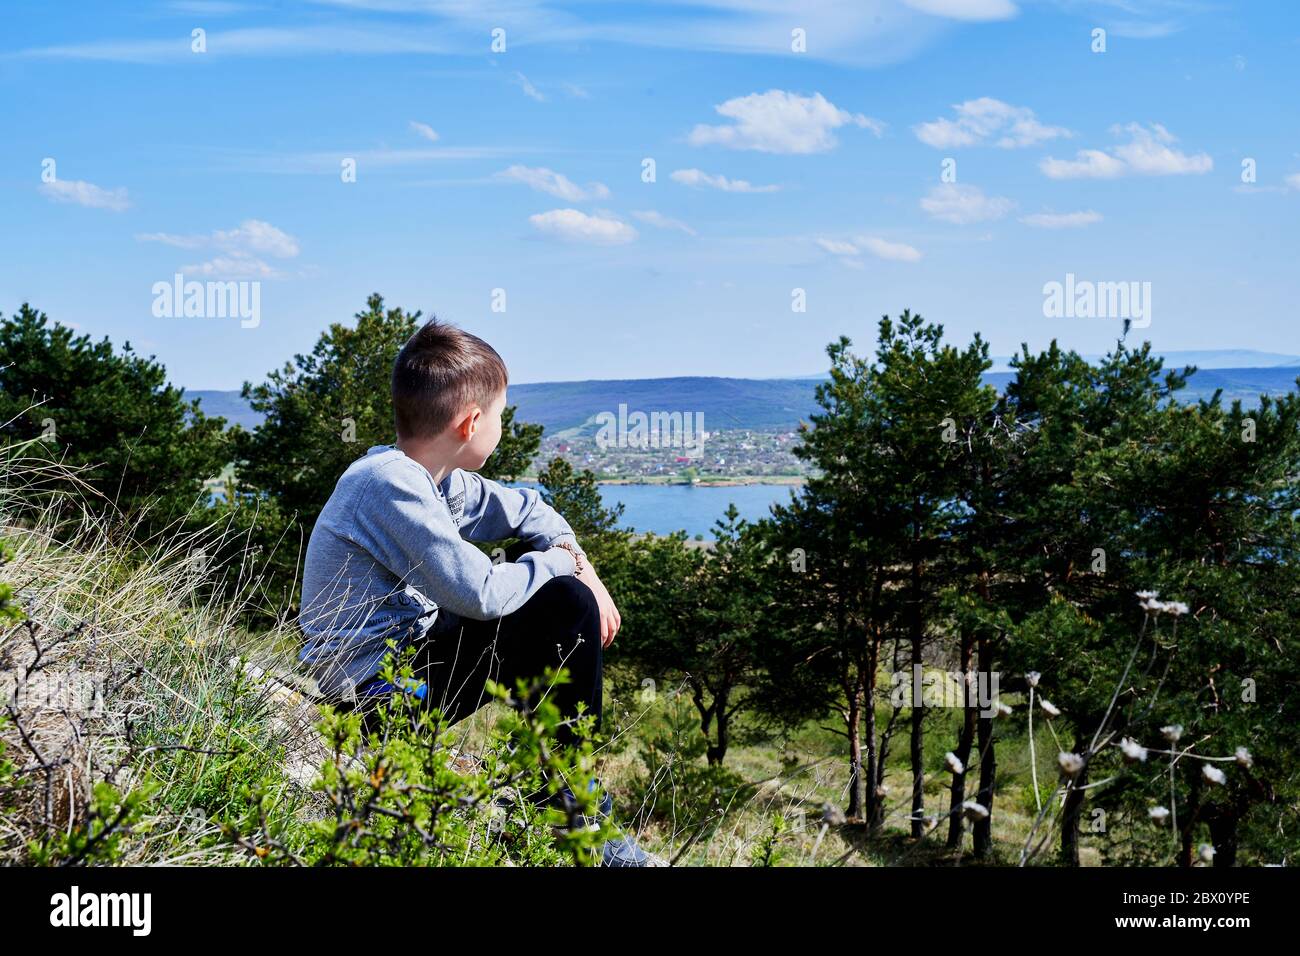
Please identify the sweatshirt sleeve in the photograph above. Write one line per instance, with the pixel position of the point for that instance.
(494, 511)
(401, 521)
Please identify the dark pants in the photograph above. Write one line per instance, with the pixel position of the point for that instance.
(558, 626)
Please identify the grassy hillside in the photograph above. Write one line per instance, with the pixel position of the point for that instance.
(144, 725)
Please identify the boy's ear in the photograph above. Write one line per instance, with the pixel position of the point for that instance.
(468, 423)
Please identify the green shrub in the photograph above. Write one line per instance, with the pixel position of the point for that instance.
(397, 799)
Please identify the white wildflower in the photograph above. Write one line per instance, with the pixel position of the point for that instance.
(975, 811)
(1172, 732)
(953, 762)
(1147, 595)
(1134, 752)
(1032, 678)
(1052, 709)
(1244, 759)
(1070, 763)
(1207, 853)
(1004, 710)
(1213, 774)
(1159, 815)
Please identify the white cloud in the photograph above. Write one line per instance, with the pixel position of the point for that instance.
(1290, 183)
(780, 122)
(576, 226)
(864, 33)
(170, 239)
(328, 162)
(698, 177)
(254, 235)
(661, 221)
(837, 247)
(1087, 164)
(966, 9)
(549, 181)
(207, 8)
(86, 194)
(1250, 189)
(576, 91)
(944, 134)
(964, 204)
(893, 251)
(1061, 220)
(1144, 30)
(233, 267)
(254, 41)
(530, 91)
(880, 248)
(425, 130)
(979, 120)
(242, 248)
(1149, 152)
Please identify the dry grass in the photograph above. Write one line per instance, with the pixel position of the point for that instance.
(121, 672)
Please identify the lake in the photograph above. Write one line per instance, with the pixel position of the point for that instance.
(662, 509)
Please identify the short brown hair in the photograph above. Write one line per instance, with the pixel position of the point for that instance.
(439, 371)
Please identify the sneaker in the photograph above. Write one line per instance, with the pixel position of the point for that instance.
(624, 851)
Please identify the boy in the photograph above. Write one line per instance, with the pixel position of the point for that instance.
(391, 557)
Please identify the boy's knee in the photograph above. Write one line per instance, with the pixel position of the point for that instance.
(574, 597)
(575, 592)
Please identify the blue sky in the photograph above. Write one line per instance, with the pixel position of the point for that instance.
(775, 170)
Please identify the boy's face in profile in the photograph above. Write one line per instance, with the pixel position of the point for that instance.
(486, 425)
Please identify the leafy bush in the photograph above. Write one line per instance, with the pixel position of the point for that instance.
(398, 797)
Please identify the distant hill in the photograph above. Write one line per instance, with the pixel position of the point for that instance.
(1222, 359)
(1246, 384)
(1203, 359)
(725, 402)
(759, 404)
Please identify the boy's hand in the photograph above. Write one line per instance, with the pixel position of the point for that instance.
(610, 619)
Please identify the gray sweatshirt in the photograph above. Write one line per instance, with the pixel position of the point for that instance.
(390, 557)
